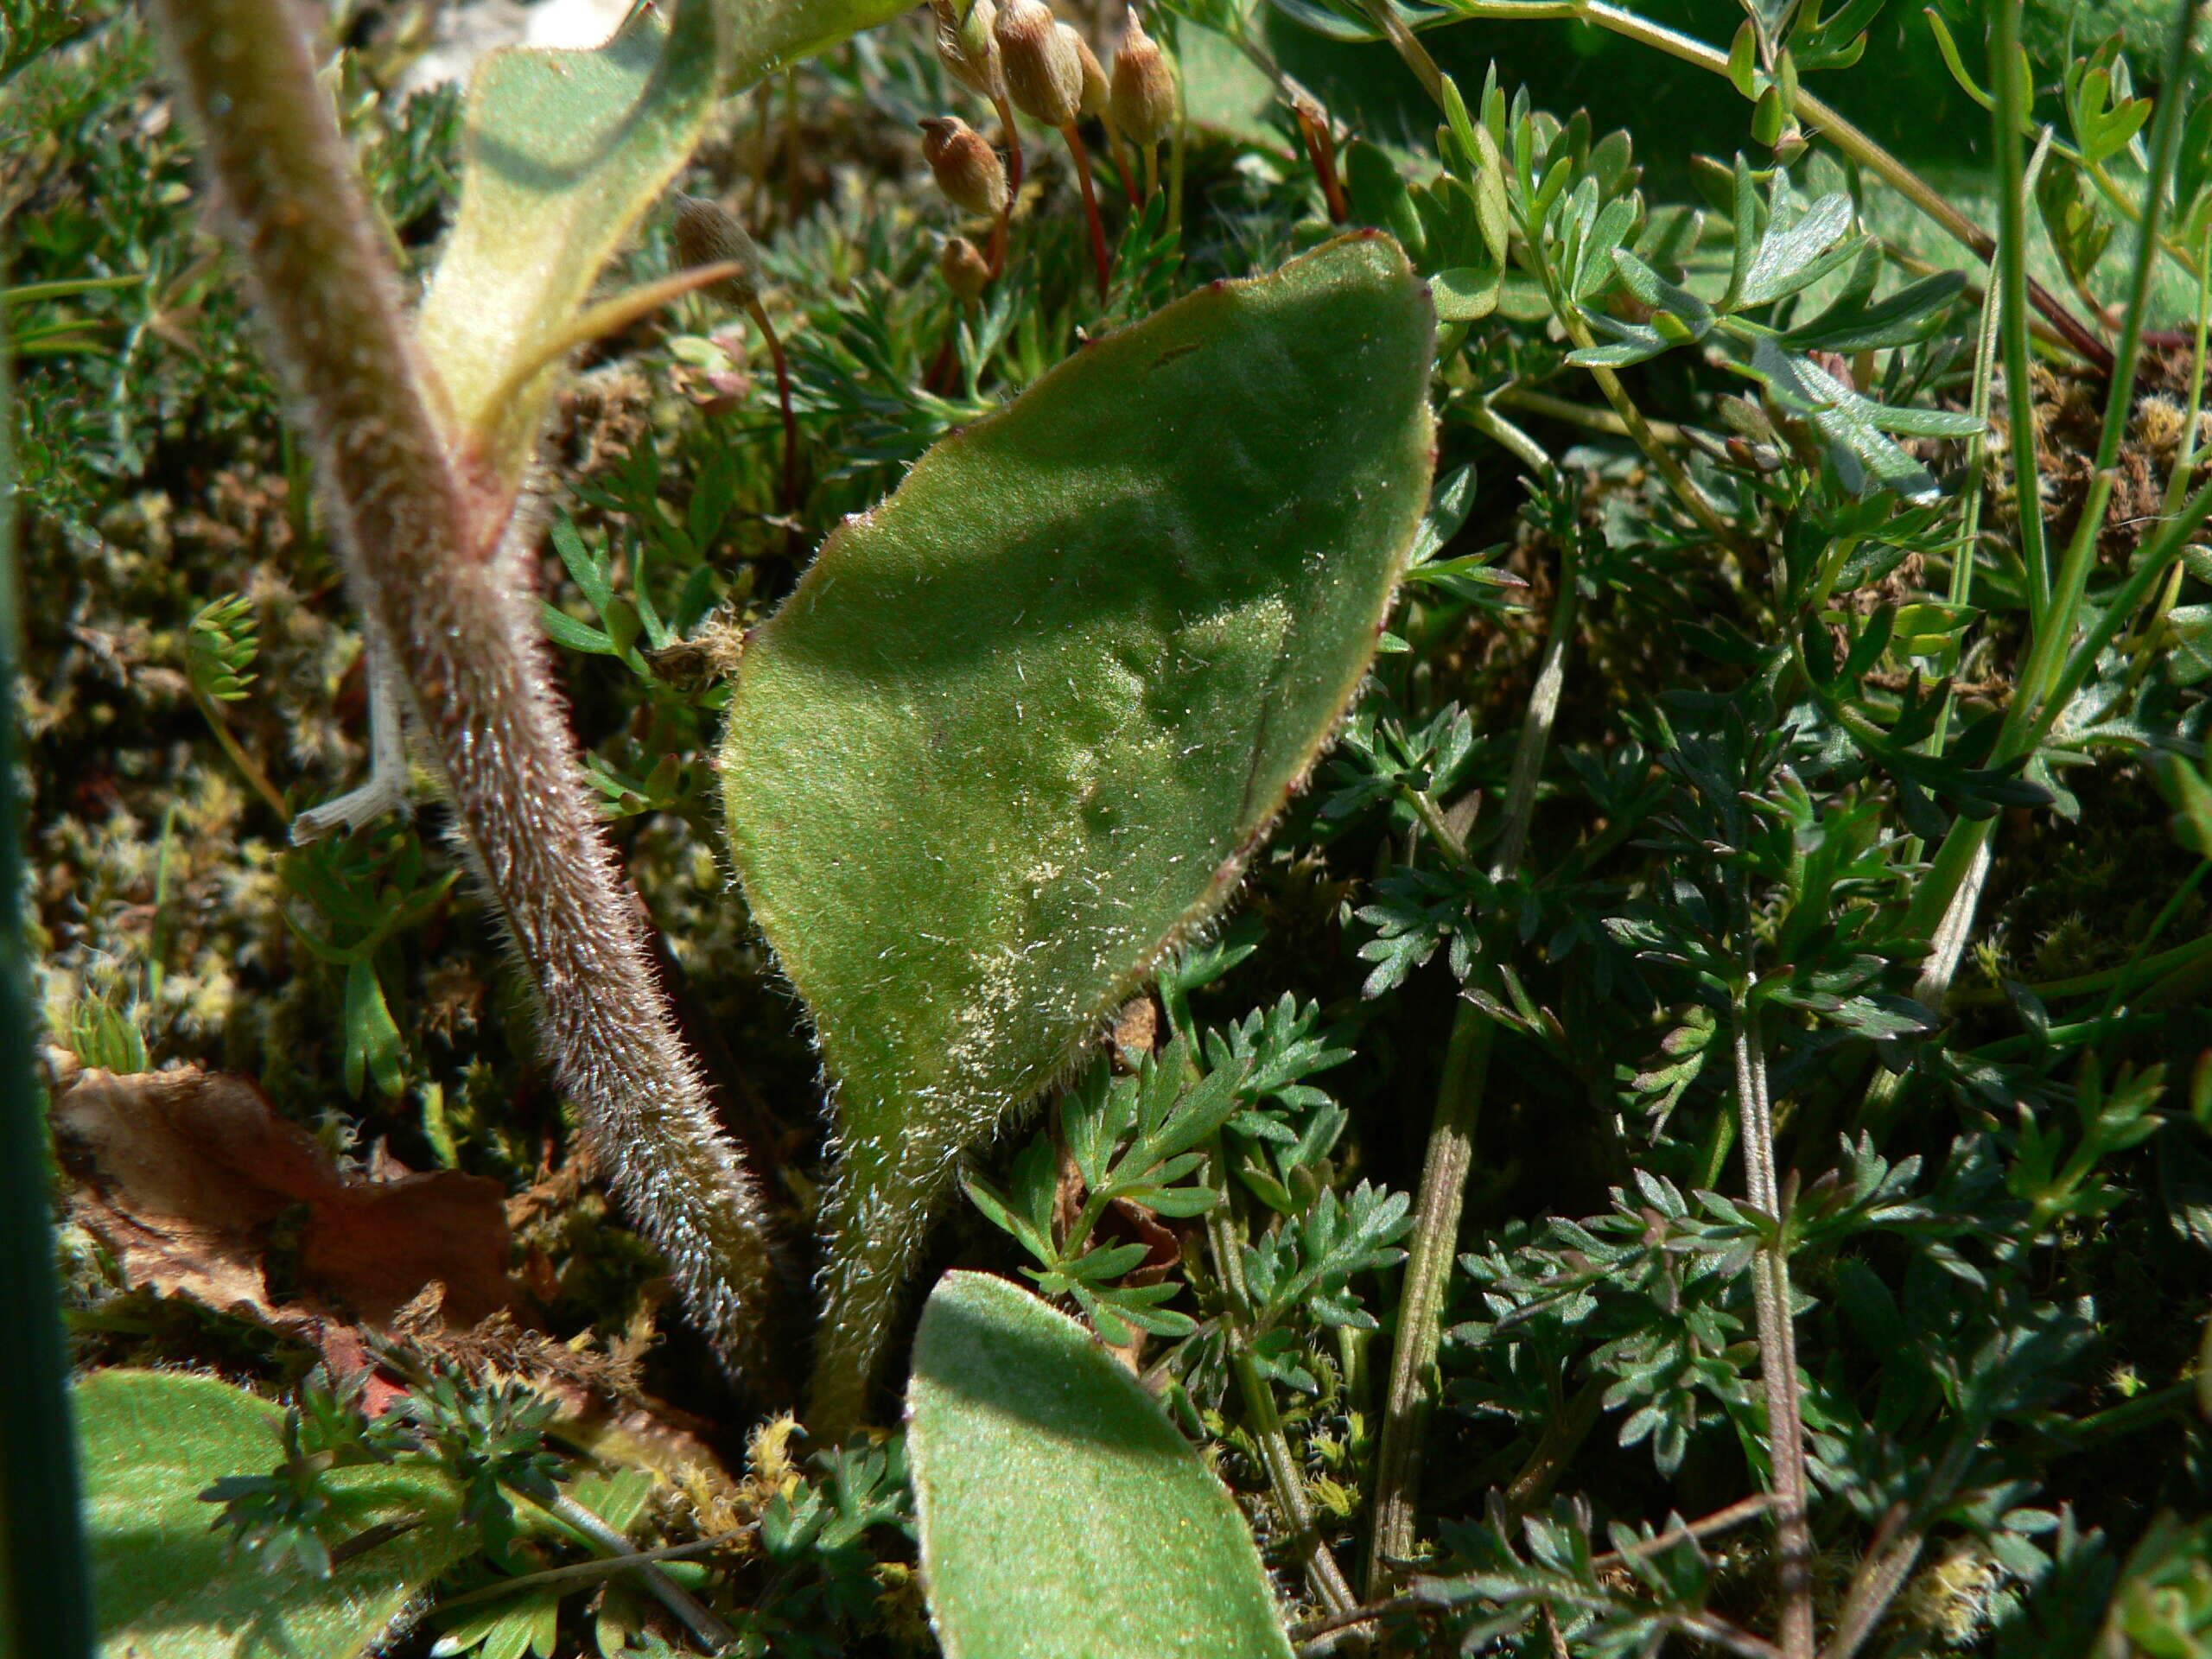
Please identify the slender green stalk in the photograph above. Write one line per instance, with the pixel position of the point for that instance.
(46, 1596)
(2186, 454)
(2010, 118)
(1486, 420)
(1420, 1300)
(2158, 555)
(1529, 401)
(2167, 911)
(1449, 1156)
(1965, 560)
(2051, 642)
(248, 768)
(1777, 1332)
(717, 1635)
(603, 1567)
(1322, 1575)
(2052, 674)
(2105, 979)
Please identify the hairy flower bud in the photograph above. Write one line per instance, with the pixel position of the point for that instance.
(967, 167)
(1144, 86)
(1044, 77)
(965, 270)
(707, 233)
(1094, 95)
(966, 47)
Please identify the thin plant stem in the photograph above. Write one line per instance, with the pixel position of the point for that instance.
(1964, 561)
(1320, 150)
(2166, 913)
(2013, 289)
(248, 768)
(2081, 554)
(1776, 1336)
(1449, 1156)
(1151, 171)
(1098, 256)
(2186, 454)
(717, 1635)
(45, 1593)
(1896, 1545)
(1322, 1575)
(1485, 419)
(787, 501)
(1435, 1236)
(1640, 432)
(1012, 147)
(2181, 956)
(588, 1572)
(2050, 678)
(1632, 419)
(1529, 401)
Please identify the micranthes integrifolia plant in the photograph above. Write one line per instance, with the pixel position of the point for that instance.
(1762, 936)
(1264, 451)
(425, 433)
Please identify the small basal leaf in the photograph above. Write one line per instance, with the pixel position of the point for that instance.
(169, 1586)
(1020, 728)
(1061, 1514)
(564, 150)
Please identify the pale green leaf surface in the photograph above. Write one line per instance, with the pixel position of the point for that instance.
(563, 151)
(1061, 1514)
(167, 1587)
(1022, 725)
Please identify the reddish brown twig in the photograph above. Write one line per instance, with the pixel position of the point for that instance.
(1098, 257)
(787, 501)
(1321, 150)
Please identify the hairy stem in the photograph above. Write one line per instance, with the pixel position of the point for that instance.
(439, 567)
(1778, 1341)
(1429, 1249)
(1449, 1156)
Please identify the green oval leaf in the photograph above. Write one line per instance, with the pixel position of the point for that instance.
(168, 1586)
(1020, 727)
(1061, 1513)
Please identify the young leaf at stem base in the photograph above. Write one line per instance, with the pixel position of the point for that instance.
(1020, 728)
(1061, 1514)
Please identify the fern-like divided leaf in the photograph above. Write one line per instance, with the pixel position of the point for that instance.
(1020, 728)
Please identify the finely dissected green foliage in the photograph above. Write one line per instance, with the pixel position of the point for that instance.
(1061, 1514)
(168, 1585)
(1024, 723)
